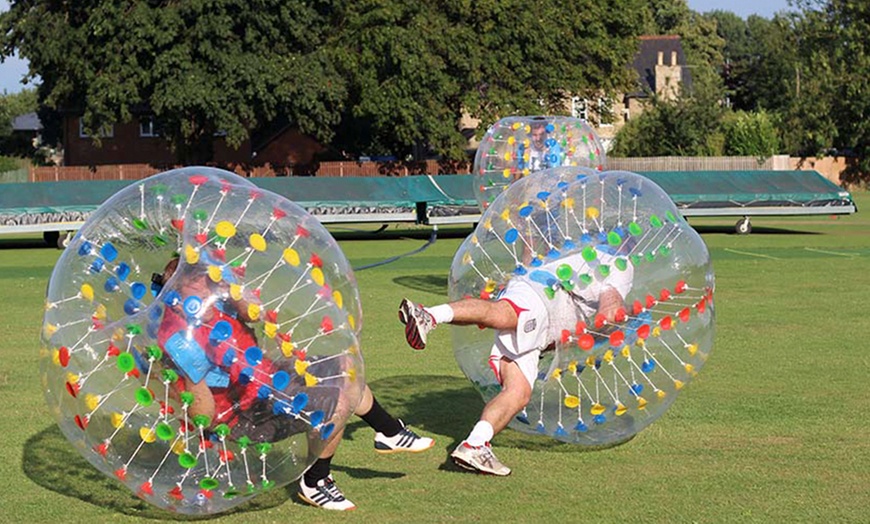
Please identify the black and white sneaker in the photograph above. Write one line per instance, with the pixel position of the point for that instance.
(418, 323)
(325, 495)
(405, 440)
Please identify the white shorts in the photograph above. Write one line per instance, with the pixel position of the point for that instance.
(523, 345)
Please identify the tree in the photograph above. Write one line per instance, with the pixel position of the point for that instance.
(751, 134)
(201, 66)
(13, 105)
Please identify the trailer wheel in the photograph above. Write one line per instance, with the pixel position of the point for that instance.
(743, 226)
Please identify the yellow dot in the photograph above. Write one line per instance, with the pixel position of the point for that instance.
(301, 367)
(100, 313)
(571, 401)
(351, 374)
(311, 380)
(507, 156)
(620, 409)
(178, 447)
(257, 242)
(641, 403)
(689, 368)
(490, 286)
(661, 393)
(338, 299)
(87, 292)
(568, 203)
(626, 352)
(215, 273)
(557, 373)
(236, 291)
(590, 361)
(511, 140)
(49, 330)
(270, 329)
(506, 214)
(147, 435)
(608, 356)
(352, 321)
(317, 276)
(487, 224)
(506, 173)
(191, 254)
(225, 229)
(692, 349)
(572, 366)
(253, 311)
(91, 401)
(72, 378)
(597, 409)
(592, 212)
(116, 419)
(466, 258)
(291, 256)
(287, 348)
(678, 384)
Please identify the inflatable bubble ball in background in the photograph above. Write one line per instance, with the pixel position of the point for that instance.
(517, 146)
(570, 231)
(201, 340)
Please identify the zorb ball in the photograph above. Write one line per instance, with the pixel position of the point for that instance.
(515, 147)
(609, 364)
(200, 341)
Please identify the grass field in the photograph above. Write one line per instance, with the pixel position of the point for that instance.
(774, 429)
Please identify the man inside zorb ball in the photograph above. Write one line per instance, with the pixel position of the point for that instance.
(600, 296)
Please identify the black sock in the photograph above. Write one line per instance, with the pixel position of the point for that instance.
(318, 471)
(381, 421)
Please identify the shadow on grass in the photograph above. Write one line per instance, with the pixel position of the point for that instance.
(51, 462)
(25, 243)
(435, 284)
(447, 406)
(756, 230)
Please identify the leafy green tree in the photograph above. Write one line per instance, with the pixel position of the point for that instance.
(13, 105)
(751, 134)
(202, 66)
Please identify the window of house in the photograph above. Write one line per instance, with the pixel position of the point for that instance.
(107, 131)
(605, 112)
(148, 128)
(579, 108)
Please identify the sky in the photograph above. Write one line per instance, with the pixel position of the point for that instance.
(14, 68)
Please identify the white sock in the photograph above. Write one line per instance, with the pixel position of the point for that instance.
(442, 314)
(480, 434)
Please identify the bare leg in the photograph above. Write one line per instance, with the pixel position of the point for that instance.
(494, 315)
(514, 396)
(365, 403)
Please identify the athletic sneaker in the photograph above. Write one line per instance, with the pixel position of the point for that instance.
(479, 458)
(418, 323)
(325, 495)
(405, 440)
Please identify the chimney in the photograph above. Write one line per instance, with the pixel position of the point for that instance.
(661, 58)
(673, 58)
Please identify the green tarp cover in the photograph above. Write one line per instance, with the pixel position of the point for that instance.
(689, 188)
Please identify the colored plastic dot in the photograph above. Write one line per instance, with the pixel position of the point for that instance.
(126, 362)
(614, 239)
(169, 375)
(200, 214)
(588, 253)
(222, 430)
(140, 224)
(621, 264)
(164, 431)
(564, 272)
(655, 221)
(187, 460)
(144, 397)
(201, 421)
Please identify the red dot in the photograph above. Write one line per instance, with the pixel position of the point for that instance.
(680, 287)
(665, 295)
(198, 180)
(637, 308)
(643, 331)
(63, 356)
(684, 314)
(586, 342)
(617, 338)
(666, 322)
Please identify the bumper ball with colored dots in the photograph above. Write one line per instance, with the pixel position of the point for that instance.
(570, 234)
(515, 147)
(200, 340)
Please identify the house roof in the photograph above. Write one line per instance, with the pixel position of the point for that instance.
(27, 122)
(647, 57)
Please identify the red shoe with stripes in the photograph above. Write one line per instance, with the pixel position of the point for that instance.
(418, 323)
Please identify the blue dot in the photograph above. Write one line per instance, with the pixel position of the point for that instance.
(221, 331)
(326, 431)
(245, 376)
(229, 358)
(635, 191)
(192, 305)
(550, 128)
(109, 252)
(111, 285)
(155, 312)
(552, 159)
(544, 195)
(553, 253)
(85, 248)
(562, 185)
(550, 142)
(525, 211)
(153, 329)
(647, 366)
(172, 298)
(536, 262)
(599, 419)
(123, 270)
(637, 388)
(520, 270)
(586, 238)
(560, 432)
(511, 235)
(540, 428)
(97, 265)
(581, 177)
(138, 290)
(581, 426)
(523, 418)
(254, 355)
(568, 245)
(131, 306)
(280, 380)
(281, 407)
(317, 418)
(264, 392)
(299, 402)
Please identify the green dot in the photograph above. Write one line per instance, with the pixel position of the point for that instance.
(154, 352)
(650, 257)
(158, 189)
(264, 447)
(567, 285)
(655, 221)
(671, 216)
(160, 240)
(251, 489)
(234, 263)
(144, 397)
(604, 269)
(186, 460)
(186, 398)
(222, 430)
(200, 214)
(208, 483)
(550, 292)
(665, 251)
(126, 362)
(244, 442)
(614, 239)
(169, 375)
(588, 253)
(179, 199)
(586, 279)
(635, 229)
(564, 272)
(201, 421)
(231, 494)
(621, 264)
(268, 484)
(164, 431)
(140, 224)
(134, 329)
(636, 259)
